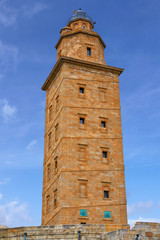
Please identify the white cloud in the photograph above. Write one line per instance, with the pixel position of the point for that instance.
(4, 181)
(131, 222)
(1, 196)
(140, 207)
(31, 145)
(14, 214)
(7, 111)
(7, 15)
(30, 11)
(8, 57)
(142, 97)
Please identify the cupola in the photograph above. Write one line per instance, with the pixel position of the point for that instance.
(80, 17)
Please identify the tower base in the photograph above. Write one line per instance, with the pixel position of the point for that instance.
(83, 232)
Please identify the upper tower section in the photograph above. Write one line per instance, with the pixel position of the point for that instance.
(78, 40)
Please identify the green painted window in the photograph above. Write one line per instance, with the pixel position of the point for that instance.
(107, 214)
(83, 213)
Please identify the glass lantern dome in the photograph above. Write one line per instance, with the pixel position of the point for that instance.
(80, 14)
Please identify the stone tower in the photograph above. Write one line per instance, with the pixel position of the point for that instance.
(83, 178)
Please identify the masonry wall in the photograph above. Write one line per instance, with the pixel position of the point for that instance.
(100, 102)
(75, 39)
(146, 231)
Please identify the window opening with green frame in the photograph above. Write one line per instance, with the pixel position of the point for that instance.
(107, 214)
(83, 212)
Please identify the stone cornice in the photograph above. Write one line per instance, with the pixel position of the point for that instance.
(78, 62)
(73, 32)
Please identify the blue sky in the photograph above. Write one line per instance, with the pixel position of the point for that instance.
(29, 31)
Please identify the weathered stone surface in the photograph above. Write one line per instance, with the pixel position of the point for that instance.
(81, 161)
(87, 232)
(2, 226)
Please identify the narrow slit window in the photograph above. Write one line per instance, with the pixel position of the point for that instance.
(88, 51)
(55, 198)
(48, 171)
(56, 132)
(106, 194)
(50, 112)
(55, 166)
(83, 190)
(104, 154)
(103, 124)
(57, 103)
(81, 120)
(82, 153)
(47, 203)
(49, 140)
(102, 95)
(81, 90)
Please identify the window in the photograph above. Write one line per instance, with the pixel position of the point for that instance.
(57, 103)
(82, 152)
(107, 214)
(106, 187)
(56, 165)
(102, 94)
(47, 203)
(106, 194)
(83, 212)
(84, 26)
(81, 90)
(55, 198)
(56, 132)
(103, 124)
(83, 189)
(81, 120)
(104, 154)
(83, 223)
(48, 171)
(50, 112)
(88, 51)
(49, 140)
